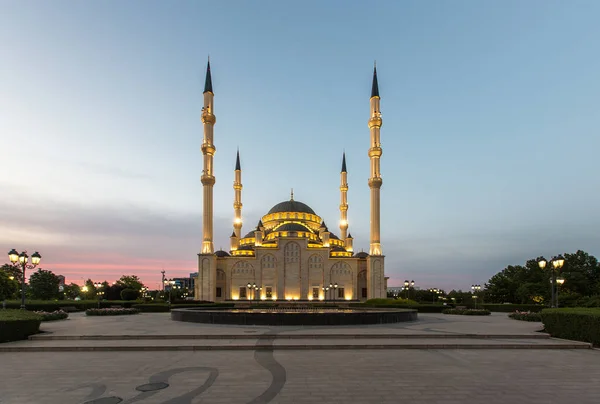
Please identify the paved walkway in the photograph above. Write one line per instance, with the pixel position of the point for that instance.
(161, 324)
(271, 375)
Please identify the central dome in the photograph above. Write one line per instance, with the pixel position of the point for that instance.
(292, 206)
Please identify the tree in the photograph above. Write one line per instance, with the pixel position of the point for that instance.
(531, 284)
(71, 291)
(130, 282)
(129, 294)
(12, 270)
(8, 286)
(44, 285)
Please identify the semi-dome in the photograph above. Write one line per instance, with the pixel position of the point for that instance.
(221, 253)
(361, 254)
(292, 206)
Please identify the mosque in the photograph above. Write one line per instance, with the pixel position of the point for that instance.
(291, 255)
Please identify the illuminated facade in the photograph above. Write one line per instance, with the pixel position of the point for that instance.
(291, 254)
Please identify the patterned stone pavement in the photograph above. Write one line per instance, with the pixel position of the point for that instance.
(424, 376)
(382, 376)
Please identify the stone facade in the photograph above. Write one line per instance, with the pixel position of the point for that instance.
(290, 255)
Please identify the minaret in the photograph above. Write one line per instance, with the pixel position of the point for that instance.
(237, 202)
(375, 180)
(208, 178)
(343, 199)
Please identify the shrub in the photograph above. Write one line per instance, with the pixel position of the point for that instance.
(468, 312)
(129, 294)
(421, 308)
(16, 325)
(111, 312)
(580, 324)
(55, 315)
(525, 316)
(79, 305)
(509, 308)
(387, 302)
(164, 307)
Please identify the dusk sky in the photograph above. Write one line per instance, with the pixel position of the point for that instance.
(490, 128)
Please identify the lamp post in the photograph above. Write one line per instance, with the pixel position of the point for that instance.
(325, 292)
(99, 291)
(475, 289)
(333, 287)
(559, 282)
(23, 262)
(406, 285)
(435, 293)
(170, 284)
(556, 264)
(255, 289)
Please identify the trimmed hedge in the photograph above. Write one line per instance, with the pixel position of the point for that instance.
(79, 305)
(111, 312)
(509, 308)
(579, 324)
(55, 315)
(468, 312)
(526, 316)
(164, 307)
(16, 325)
(421, 308)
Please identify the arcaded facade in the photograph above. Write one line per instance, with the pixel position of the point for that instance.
(290, 255)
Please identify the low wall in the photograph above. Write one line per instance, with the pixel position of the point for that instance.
(259, 317)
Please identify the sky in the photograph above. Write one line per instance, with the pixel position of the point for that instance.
(490, 129)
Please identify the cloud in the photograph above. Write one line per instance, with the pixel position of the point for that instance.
(104, 242)
(107, 241)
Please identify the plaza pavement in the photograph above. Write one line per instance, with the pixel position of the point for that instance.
(272, 375)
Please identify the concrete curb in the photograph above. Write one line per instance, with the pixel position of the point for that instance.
(289, 347)
(281, 336)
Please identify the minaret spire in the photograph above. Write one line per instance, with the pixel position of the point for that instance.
(343, 199)
(237, 201)
(208, 80)
(208, 178)
(375, 180)
(375, 86)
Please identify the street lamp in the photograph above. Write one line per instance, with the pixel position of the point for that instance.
(556, 264)
(255, 289)
(333, 287)
(559, 282)
(23, 262)
(169, 283)
(325, 290)
(475, 289)
(435, 293)
(99, 291)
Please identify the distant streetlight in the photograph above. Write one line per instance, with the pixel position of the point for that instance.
(171, 284)
(475, 289)
(23, 262)
(99, 292)
(556, 265)
(435, 292)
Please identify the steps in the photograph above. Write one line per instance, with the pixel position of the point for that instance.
(279, 341)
